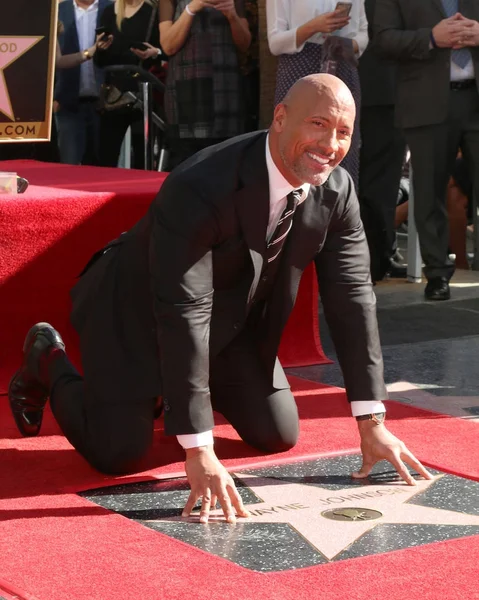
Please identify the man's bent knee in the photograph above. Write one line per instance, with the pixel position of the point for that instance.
(117, 460)
(274, 442)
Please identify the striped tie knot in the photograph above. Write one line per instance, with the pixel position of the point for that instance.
(284, 225)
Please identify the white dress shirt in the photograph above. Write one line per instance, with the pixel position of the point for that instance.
(279, 188)
(86, 20)
(459, 74)
(285, 16)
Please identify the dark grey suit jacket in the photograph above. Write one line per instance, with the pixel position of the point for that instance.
(402, 29)
(169, 295)
(377, 74)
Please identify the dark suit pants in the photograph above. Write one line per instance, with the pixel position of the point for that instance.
(381, 160)
(114, 437)
(433, 153)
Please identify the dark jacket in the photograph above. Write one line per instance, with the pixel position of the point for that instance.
(171, 293)
(402, 29)
(67, 83)
(376, 73)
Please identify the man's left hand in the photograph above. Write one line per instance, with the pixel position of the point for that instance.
(377, 443)
(469, 35)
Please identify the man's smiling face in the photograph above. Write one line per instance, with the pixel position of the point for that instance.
(313, 129)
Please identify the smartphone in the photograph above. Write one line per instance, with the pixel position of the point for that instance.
(102, 29)
(139, 46)
(344, 7)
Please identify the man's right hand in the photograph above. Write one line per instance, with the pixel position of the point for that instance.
(211, 482)
(448, 32)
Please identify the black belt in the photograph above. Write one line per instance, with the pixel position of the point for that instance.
(463, 85)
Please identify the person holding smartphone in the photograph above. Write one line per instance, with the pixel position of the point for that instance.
(301, 32)
(127, 35)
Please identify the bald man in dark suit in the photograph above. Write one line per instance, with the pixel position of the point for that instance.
(190, 304)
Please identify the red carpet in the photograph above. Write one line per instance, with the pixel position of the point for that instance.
(48, 234)
(55, 545)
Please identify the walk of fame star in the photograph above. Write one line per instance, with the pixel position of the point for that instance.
(289, 525)
(11, 48)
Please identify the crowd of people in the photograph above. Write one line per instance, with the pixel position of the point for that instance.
(410, 70)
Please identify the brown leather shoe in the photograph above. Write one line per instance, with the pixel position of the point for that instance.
(29, 388)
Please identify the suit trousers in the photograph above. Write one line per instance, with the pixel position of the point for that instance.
(381, 160)
(114, 437)
(433, 154)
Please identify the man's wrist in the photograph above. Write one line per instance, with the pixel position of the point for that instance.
(377, 418)
(366, 407)
(192, 452)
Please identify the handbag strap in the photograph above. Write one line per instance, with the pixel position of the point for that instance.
(154, 10)
(149, 31)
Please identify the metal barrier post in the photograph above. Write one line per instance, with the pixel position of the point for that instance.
(414, 260)
(475, 221)
(147, 124)
(124, 162)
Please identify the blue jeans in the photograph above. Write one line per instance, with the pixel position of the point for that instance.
(78, 134)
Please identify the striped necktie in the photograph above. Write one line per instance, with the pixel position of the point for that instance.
(463, 56)
(276, 243)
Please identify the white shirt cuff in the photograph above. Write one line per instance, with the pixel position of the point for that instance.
(366, 407)
(195, 440)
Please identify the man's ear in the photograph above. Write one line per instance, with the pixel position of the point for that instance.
(279, 118)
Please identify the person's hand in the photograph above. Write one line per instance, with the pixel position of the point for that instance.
(449, 32)
(377, 443)
(211, 482)
(332, 21)
(150, 52)
(227, 7)
(197, 5)
(469, 36)
(103, 42)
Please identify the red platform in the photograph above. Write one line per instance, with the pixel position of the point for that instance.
(68, 212)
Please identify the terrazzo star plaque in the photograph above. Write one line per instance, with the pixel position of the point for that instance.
(308, 513)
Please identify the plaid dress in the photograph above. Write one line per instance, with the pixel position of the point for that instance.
(203, 98)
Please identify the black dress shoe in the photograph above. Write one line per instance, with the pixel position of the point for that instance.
(29, 388)
(437, 288)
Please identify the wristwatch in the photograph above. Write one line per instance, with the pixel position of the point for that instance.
(378, 418)
(87, 55)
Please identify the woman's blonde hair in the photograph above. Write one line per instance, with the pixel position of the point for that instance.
(120, 11)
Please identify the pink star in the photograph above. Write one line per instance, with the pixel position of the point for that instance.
(11, 48)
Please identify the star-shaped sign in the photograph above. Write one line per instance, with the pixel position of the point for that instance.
(292, 509)
(310, 510)
(11, 48)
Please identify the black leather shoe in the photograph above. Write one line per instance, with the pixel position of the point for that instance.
(29, 389)
(437, 288)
